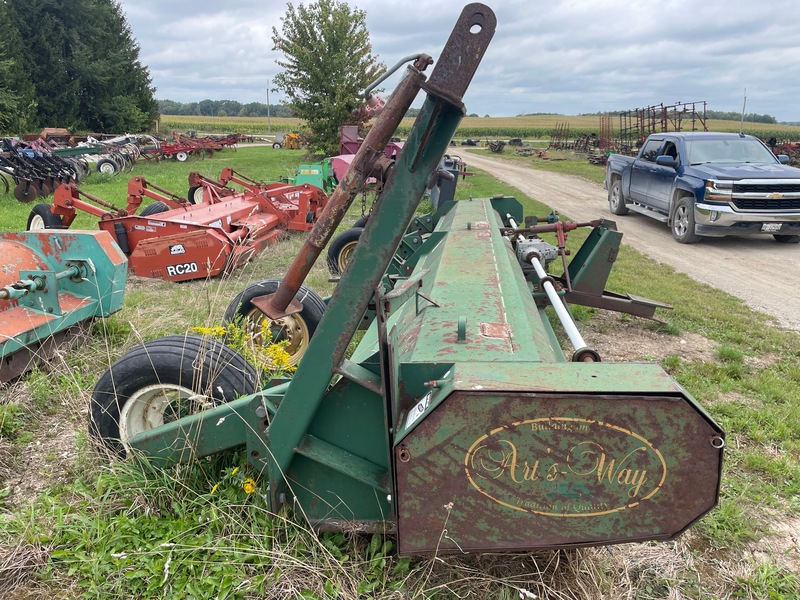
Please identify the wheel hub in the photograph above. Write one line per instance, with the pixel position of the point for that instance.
(155, 405)
(291, 327)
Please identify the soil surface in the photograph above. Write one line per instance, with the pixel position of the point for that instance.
(757, 269)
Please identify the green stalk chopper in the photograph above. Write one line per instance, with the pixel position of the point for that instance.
(457, 424)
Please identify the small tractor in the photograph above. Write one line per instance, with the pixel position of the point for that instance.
(458, 423)
(290, 141)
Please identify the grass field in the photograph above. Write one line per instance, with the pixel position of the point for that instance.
(75, 524)
(530, 127)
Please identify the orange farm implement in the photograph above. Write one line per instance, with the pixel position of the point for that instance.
(179, 240)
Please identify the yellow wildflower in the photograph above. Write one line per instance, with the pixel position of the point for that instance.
(235, 471)
(249, 485)
(214, 489)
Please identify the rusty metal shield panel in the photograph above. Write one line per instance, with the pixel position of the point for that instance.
(493, 472)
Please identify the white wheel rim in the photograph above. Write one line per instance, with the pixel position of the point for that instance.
(154, 405)
(181, 156)
(107, 168)
(37, 222)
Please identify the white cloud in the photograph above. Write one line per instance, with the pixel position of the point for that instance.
(568, 57)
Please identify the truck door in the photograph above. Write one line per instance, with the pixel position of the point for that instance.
(662, 179)
(642, 171)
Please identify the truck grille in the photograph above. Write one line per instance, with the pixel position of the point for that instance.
(767, 204)
(766, 188)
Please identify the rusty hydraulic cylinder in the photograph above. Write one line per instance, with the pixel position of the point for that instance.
(368, 156)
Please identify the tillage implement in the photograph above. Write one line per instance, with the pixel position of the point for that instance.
(457, 424)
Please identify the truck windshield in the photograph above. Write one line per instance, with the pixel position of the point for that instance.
(737, 150)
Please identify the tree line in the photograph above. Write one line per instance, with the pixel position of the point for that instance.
(223, 108)
(71, 64)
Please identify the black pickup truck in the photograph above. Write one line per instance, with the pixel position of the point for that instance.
(708, 184)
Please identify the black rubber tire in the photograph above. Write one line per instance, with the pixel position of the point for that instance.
(277, 145)
(341, 248)
(198, 365)
(153, 209)
(682, 223)
(41, 217)
(195, 194)
(616, 202)
(107, 166)
(362, 221)
(301, 327)
(786, 239)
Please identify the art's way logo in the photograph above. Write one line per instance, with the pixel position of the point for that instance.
(565, 467)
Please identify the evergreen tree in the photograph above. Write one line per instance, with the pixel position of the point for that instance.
(17, 105)
(84, 65)
(328, 63)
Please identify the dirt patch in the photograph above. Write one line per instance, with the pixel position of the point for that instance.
(28, 468)
(619, 338)
(781, 546)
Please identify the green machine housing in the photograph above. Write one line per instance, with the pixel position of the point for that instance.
(51, 284)
(458, 423)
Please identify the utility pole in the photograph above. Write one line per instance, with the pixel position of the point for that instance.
(269, 123)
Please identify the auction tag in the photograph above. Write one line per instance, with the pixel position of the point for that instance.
(771, 227)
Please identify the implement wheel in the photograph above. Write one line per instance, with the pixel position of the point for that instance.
(341, 249)
(297, 328)
(196, 194)
(107, 166)
(153, 209)
(164, 380)
(42, 217)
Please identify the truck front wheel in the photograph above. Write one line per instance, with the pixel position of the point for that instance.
(616, 203)
(683, 222)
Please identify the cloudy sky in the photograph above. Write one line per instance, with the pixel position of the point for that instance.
(547, 56)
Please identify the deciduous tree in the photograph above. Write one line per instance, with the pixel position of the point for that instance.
(327, 63)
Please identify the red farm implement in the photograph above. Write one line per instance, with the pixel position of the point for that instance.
(178, 240)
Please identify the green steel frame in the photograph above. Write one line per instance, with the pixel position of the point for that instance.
(458, 422)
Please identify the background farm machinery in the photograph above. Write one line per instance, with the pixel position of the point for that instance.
(34, 166)
(458, 423)
(177, 239)
(35, 170)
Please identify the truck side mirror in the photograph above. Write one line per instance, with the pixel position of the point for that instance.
(667, 161)
(783, 159)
